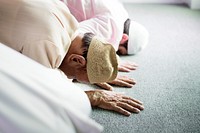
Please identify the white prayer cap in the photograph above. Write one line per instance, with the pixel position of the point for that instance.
(138, 37)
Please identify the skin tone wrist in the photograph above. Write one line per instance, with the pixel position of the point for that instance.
(94, 97)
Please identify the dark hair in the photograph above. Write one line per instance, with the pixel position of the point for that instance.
(87, 38)
(126, 26)
(126, 31)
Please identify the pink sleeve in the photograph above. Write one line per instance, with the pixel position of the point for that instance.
(107, 20)
(103, 26)
(104, 18)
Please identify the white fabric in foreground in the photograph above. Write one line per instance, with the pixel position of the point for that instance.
(37, 99)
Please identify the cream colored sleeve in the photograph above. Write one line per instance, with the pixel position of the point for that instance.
(41, 30)
(44, 52)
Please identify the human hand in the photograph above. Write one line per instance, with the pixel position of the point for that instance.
(127, 66)
(122, 81)
(114, 101)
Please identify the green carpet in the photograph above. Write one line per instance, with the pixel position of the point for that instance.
(168, 76)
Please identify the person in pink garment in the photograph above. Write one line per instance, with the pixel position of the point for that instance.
(109, 20)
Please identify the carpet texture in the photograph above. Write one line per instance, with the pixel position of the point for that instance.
(168, 76)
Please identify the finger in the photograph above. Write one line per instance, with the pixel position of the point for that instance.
(123, 69)
(121, 110)
(128, 107)
(127, 79)
(105, 86)
(132, 99)
(130, 64)
(121, 83)
(130, 67)
(133, 104)
(126, 68)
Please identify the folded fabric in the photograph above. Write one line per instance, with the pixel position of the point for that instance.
(37, 99)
